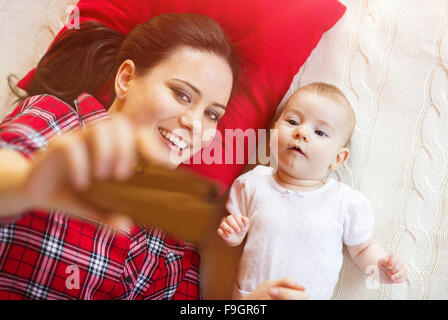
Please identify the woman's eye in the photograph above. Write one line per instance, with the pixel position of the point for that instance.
(182, 95)
(212, 115)
(321, 133)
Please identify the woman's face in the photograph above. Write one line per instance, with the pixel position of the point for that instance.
(177, 104)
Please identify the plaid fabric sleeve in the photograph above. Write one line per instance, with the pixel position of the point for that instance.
(34, 122)
(38, 119)
(30, 126)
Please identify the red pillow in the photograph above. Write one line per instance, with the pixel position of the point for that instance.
(274, 38)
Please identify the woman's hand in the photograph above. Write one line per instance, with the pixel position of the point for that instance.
(283, 289)
(13, 170)
(71, 162)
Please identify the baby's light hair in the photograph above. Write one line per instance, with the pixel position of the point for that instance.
(329, 91)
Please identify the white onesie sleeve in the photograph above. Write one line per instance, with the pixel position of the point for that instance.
(358, 221)
(237, 203)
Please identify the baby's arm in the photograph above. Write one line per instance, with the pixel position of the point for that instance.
(370, 254)
(233, 229)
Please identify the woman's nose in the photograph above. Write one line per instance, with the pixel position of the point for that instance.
(301, 133)
(190, 119)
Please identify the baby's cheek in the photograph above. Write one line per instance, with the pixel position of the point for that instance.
(321, 158)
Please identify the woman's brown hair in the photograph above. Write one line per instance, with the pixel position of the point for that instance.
(87, 59)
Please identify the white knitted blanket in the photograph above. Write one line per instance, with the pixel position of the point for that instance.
(27, 28)
(391, 60)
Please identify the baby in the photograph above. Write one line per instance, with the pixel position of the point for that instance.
(297, 220)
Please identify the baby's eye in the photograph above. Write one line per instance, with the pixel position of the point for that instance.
(213, 115)
(320, 133)
(292, 122)
(181, 95)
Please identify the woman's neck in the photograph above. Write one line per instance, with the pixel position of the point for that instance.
(114, 108)
(297, 184)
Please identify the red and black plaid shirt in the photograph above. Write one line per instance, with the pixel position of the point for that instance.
(50, 255)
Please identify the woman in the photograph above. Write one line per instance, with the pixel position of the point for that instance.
(173, 77)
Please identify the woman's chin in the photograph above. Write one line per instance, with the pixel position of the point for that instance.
(175, 158)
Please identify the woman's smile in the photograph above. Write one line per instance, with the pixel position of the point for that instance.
(172, 141)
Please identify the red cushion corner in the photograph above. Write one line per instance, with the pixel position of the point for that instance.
(26, 80)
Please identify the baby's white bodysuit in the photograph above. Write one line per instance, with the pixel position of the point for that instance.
(296, 234)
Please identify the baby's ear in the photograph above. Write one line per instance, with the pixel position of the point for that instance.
(341, 157)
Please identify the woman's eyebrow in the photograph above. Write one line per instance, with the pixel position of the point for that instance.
(219, 106)
(199, 93)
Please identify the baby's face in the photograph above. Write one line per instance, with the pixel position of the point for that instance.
(312, 132)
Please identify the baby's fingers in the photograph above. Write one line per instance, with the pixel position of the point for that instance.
(242, 221)
(222, 233)
(226, 228)
(233, 222)
(245, 222)
(401, 275)
(383, 261)
(395, 268)
(393, 263)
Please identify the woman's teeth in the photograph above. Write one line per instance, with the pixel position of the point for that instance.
(178, 142)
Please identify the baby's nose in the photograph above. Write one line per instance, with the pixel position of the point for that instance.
(301, 133)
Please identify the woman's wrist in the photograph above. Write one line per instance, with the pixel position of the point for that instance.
(13, 204)
(14, 169)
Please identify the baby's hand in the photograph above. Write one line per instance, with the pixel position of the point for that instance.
(233, 229)
(392, 269)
